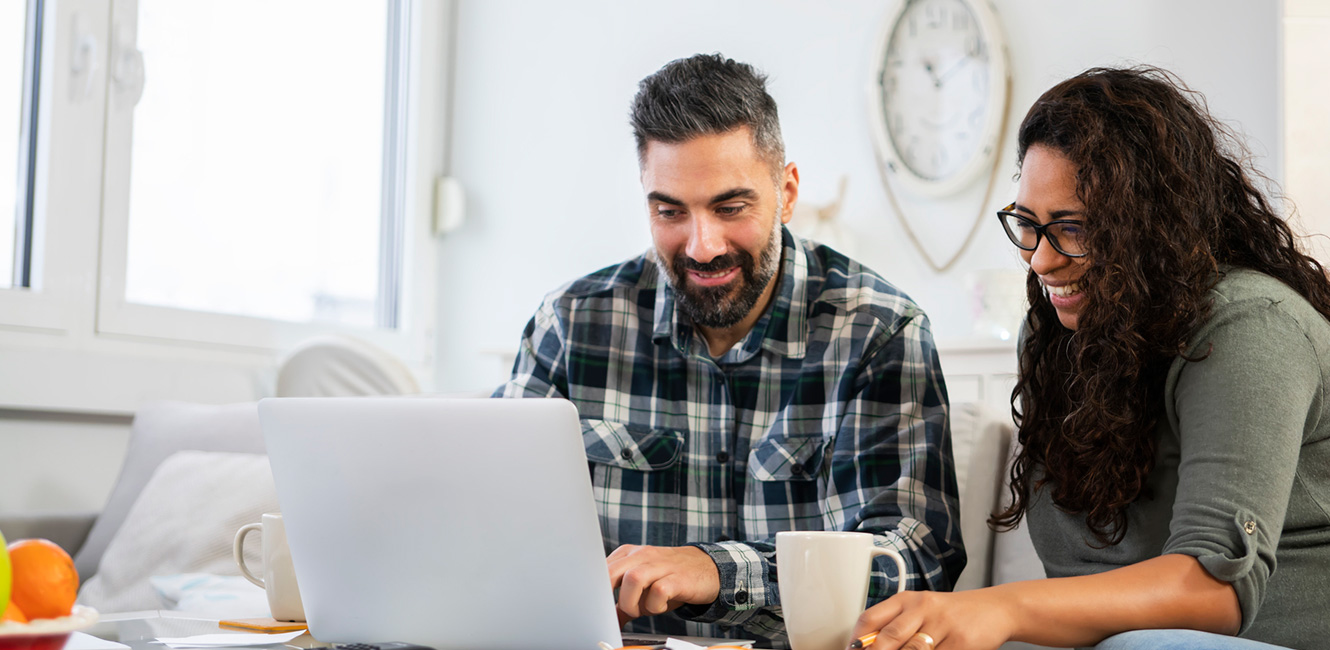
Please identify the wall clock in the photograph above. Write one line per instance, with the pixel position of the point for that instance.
(939, 99)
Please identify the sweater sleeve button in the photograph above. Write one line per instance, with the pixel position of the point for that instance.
(1250, 527)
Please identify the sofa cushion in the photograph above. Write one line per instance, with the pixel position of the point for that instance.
(980, 438)
(184, 521)
(212, 596)
(160, 429)
(336, 365)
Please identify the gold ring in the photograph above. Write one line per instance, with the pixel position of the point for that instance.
(928, 640)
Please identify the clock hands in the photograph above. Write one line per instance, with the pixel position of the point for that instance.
(939, 79)
(928, 66)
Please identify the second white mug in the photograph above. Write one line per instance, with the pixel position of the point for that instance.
(279, 575)
(823, 578)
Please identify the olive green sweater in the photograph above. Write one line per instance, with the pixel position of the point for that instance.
(1242, 474)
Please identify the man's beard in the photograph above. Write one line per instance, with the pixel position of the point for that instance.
(723, 306)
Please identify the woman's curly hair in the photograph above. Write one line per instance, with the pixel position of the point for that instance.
(1170, 200)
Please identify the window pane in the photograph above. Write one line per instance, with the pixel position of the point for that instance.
(13, 37)
(257, 158)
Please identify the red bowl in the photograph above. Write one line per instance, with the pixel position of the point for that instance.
(45, 633)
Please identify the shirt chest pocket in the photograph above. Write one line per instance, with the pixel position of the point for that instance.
(636, 479)
(786, 478)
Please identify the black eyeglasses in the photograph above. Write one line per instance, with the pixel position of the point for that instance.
(1066, 235)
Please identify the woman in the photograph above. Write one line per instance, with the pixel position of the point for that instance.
(1173, 403)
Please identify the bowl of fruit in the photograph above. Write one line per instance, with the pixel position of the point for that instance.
(38, 585)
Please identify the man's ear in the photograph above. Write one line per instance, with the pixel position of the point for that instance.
(789, 191)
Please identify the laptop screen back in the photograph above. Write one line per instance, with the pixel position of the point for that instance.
(452, 523)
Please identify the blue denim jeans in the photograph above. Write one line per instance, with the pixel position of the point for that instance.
(1179, 640)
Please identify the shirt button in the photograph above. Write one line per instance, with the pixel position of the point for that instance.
(626, 454)
(797, 470)
(740, 597)
(1250, 527)
(723, 457)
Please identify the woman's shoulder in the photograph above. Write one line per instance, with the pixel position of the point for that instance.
(1245, 290)
(1251, 309)
(1237, 284)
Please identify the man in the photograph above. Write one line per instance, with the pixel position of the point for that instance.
(734, 381)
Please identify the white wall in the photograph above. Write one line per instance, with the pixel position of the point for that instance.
(59, 461)
(543, 147)
(1306, 106)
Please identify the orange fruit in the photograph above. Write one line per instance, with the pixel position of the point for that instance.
(13, 613)
(45, 580)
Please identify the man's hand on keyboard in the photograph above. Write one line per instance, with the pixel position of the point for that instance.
(656, 579)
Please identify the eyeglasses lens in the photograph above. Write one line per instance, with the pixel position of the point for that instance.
(1067, 238)
(1021, 231)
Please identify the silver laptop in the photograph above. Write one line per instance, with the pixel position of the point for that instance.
(451, 523)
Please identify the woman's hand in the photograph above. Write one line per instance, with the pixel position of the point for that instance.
(969, 620)
(1170, 591)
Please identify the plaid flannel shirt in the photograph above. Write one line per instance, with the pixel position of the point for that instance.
(831, 414)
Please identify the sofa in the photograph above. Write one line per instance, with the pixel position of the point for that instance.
(195, 473)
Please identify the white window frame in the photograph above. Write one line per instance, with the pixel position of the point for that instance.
(49, 305)
(118, 317)
(72, 343)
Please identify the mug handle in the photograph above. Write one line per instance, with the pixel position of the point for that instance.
(240, 553)
(876, 551)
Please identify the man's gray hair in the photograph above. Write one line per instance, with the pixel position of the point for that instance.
(706, 94)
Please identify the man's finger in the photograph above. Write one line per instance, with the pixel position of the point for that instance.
(657, 598)
(619, 562)
(622, 551)
(630, 597)
(633, 585)
(616, 573)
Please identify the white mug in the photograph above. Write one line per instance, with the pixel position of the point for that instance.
(823, 578)
(279, 575)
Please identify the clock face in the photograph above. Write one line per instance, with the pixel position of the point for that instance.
(935, 84)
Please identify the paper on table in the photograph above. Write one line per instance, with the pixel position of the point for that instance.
(228, 640)
(679, 644)
(82, 641)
